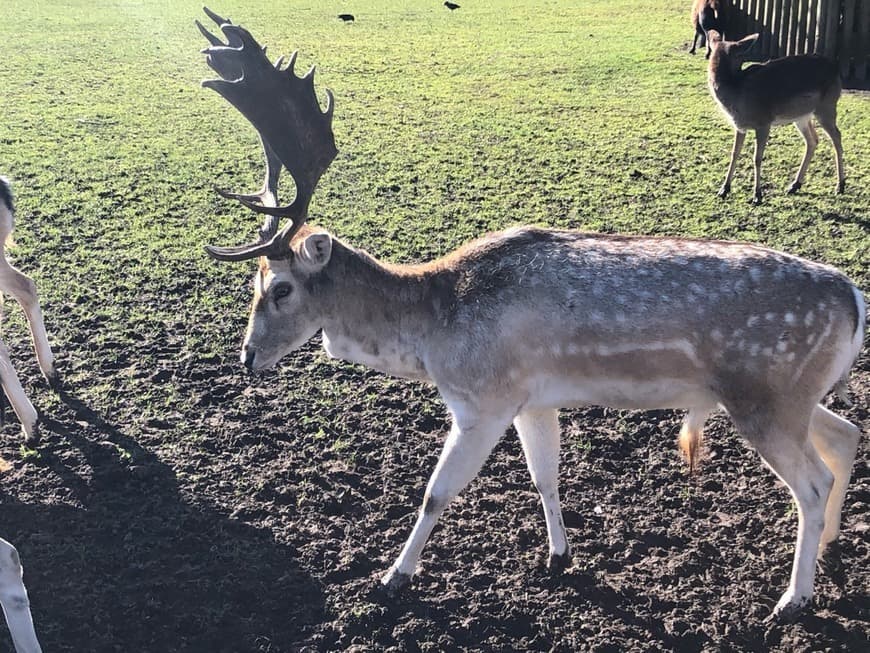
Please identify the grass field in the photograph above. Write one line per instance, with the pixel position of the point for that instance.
(449, 124)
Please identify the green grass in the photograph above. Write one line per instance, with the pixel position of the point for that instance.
(449, 124)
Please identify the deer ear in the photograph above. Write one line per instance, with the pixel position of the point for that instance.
(745, 44)
(315, 251)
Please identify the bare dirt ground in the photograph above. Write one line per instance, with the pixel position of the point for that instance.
(270, 531)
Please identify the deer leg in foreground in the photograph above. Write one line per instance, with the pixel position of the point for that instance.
(539, 435)
(739, 137)
(20, 403)
(469, 443)
(836, 440)
(828, 121)
(694, 43)
(786, 449)
(22, 288)
(761, 136)
(13, 597)
(805, 127)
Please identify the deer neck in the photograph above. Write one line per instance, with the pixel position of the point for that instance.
(376, 314)
(723, 81)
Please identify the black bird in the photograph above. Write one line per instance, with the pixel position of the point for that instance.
(347, 18)
(451, 5)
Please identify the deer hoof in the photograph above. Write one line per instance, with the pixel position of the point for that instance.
(756, 199)
(395, 582)
(841, 187)
(558, 563)
(794, 188)
(31, 435)
(723, 192)
(788, 609)
(53, 379)
(831, 563)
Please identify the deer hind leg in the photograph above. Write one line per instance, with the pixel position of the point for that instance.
(22, 288)
(836, 440)
(785, 447)
(739, 137)
(761, 136)
(827, 118)
(470, 441)
(13, 597)
(539, 435)
(20, 403)
(811, 138)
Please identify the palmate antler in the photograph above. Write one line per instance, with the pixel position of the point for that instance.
(295, 133)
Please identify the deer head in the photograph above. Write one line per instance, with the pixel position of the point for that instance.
(732, 54)
(297, 135)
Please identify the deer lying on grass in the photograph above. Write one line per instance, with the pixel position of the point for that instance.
(706, 15)
(790, 89)
(520, 323)
(13, 597)
(22, 288)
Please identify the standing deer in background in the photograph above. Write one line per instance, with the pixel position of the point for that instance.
(707, 15)
(790, 89)
(22, 288)
(520, 323)
(13, 598)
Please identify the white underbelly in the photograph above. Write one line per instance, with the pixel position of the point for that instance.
(550, 391)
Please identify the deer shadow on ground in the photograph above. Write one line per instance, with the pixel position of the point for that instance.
(116, 558)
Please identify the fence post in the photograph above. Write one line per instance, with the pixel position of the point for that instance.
(862, 54)
(832, 25)
(813, 25)
(801, 42)
(847, 36)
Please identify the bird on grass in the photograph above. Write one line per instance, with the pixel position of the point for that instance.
(451, 5)
(347, 18)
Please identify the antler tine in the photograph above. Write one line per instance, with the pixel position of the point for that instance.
(208, 35)
(217, 19)
(295, 132)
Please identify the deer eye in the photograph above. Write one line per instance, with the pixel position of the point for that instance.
(281, 291)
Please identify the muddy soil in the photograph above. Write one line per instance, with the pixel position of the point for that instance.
(258, 514)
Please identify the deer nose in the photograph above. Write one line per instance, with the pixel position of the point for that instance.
(248, 354)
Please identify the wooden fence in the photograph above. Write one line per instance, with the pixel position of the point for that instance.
(838, 29)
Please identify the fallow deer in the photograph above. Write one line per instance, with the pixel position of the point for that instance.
(13, 598)
(22, 288)
(520, 323)
(789, 89)
(707, 15)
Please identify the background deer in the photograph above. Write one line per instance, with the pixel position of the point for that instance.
(707, 15)
(22, 288)
(520, 323)
(13, 598)
(790, 89)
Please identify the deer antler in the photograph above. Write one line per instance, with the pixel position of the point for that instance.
(293, 130)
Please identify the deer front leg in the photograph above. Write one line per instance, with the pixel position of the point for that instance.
(539, 435)
(470, 441)
(13, 597)
(761, 136)
(22, 288)
(20, 403)
(739, 137)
